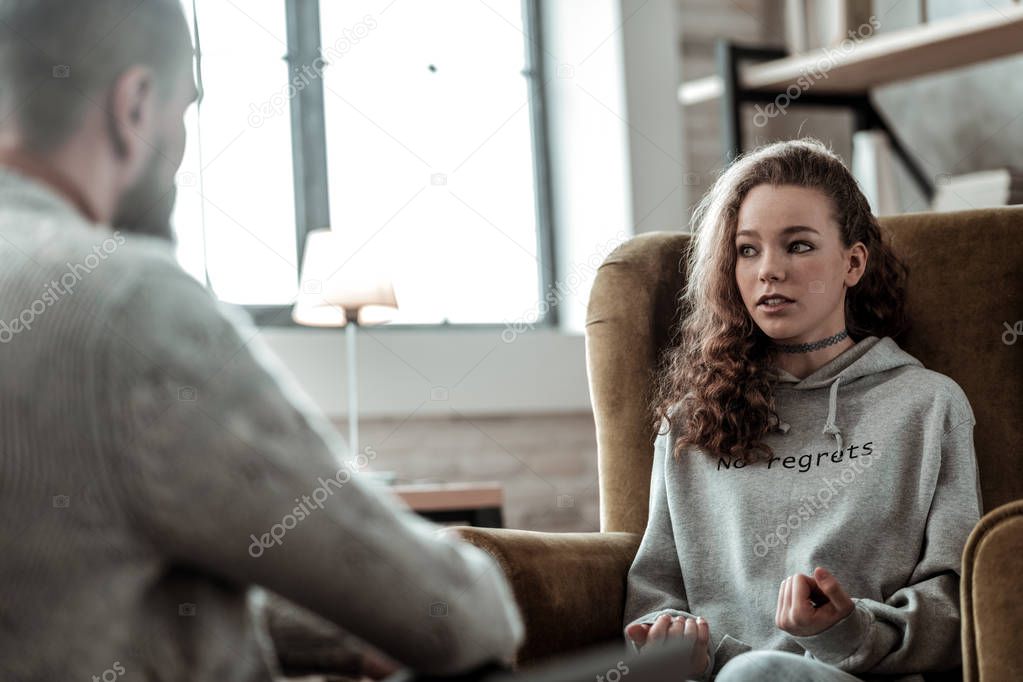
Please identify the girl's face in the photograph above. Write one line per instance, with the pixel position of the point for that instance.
(787, 243)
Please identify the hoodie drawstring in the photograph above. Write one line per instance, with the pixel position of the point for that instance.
(869, 356)
(830, 428)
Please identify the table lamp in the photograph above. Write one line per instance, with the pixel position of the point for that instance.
(343, 286)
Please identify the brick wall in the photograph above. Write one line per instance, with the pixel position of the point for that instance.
(547, 462)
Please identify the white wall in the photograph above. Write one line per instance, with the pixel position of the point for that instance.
(474, 372)
(651, 54)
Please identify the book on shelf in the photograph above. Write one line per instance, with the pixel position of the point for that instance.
(983, 189)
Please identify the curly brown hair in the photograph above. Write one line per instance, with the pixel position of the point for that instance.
(720, 376)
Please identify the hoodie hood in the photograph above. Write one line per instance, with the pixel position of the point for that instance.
(870, 356)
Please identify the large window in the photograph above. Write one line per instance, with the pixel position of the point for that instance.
(413, 131)
(235, 212)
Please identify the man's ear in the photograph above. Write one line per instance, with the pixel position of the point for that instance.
(131, 115)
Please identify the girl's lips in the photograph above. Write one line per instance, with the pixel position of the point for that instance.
(774, 308)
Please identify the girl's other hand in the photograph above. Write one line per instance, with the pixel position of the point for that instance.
(666, 628)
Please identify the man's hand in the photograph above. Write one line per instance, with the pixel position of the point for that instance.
(807, 606)
(377, 666)
(666, 628)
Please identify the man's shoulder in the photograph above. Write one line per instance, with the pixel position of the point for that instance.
(144, 257)
(137, 275)
(150, 283)
(97, 253)
(139, 290)
(141, 265)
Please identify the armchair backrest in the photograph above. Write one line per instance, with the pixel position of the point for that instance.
(965, 300)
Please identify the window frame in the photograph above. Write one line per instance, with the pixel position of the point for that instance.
(309, 159)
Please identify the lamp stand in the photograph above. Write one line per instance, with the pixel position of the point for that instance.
(353, 383)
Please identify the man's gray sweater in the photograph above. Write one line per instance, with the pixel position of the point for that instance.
(156, 461)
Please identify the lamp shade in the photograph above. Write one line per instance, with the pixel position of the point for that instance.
(339, 277)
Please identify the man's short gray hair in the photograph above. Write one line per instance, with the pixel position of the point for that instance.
(58, 57)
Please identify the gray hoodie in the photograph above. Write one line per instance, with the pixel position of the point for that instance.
(874, 477)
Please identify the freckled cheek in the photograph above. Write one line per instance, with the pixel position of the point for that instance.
(812, 278)
(745, 280)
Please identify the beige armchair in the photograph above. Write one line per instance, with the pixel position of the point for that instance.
(966, 285)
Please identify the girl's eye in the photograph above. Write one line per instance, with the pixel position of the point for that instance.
(743, 247)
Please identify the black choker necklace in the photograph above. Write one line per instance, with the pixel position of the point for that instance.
(816, 345)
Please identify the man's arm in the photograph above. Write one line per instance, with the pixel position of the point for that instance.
(227, 466)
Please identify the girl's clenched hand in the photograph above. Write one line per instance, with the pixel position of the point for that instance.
(808, 605)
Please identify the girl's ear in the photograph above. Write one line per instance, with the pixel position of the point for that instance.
(858, 255)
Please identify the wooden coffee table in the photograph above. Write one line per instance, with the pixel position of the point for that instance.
(473, 504)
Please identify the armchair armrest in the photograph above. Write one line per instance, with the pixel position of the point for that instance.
(570, 587)
(989, 591)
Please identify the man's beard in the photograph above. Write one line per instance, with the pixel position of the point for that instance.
(146, 207)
